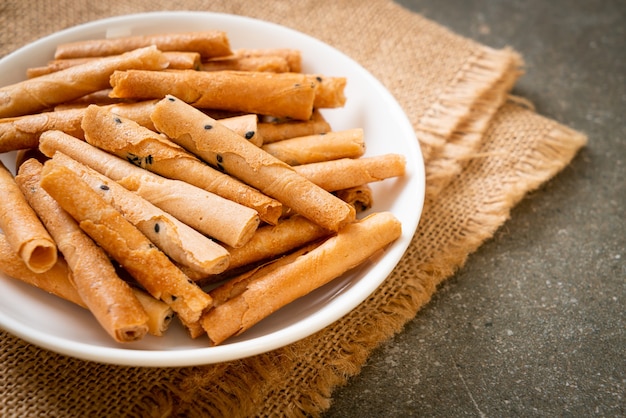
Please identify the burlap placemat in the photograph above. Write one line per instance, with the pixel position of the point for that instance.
(483, 154)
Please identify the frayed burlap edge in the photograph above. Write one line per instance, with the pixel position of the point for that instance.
(449, 159)
(292, 381)
(487, 75)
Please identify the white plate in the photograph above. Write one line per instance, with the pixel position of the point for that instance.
(57, 325)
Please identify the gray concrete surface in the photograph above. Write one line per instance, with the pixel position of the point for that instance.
(534, 325)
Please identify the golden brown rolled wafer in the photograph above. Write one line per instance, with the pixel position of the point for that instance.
(176, 60)
(158, 154)
(271, 64)
(40, 93)
(152, 269)
(100, 97)
(237, 285)
(273, 129)
(360, 197)
(211, 43)
(292, 56)
(181, 243)
(267, 293)
(220, 218)
(271, 241)
(55, 280)
(22, 228)
(140, 112)
(23, 132)
(226, 150)
(347, 172)
(329, 91)
(320, 147)
(109, 298)
(287, 95)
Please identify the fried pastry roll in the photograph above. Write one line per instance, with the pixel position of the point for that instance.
(40, 93)
(274, 129)
(22, 132)
(288, 95)
(22, 227)
(348, 172)
(320, 147)
(208, 44)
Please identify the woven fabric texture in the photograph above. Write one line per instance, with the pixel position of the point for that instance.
(483, 152)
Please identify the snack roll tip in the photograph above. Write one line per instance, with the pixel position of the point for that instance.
(24, 230)
(222, 148)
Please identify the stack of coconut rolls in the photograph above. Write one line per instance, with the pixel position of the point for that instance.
(171, 176)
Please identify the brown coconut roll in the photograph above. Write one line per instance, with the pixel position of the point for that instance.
(348, 172)
(309, 149)
(274, 129)
(150, 267)
(288, 95)
(222, 148)
(55, 280)
(41, 93)
(156, 153)
(220, 218)
(109, 298)
(208, 44)
(274, 288)
(176, 60)
(22, 227)
(23, 132)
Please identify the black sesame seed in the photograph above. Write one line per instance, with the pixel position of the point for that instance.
(104, 187)
(117, 120)
(319, 79)
(157, 228)
(249, 134)
(171, 99)
(207, 127)
(219, 158)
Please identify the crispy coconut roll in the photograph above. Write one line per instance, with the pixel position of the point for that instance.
(23, 132)
(222, 148)
(152, 269)
(273, 129)
(55, 280)
(40, 93)
(220, 218)
(274, 288)
(176, 61)
(156, 153)
(109, 298)
(347, 172)
(22, 227)
(320, 147)
(208, 44)
(288, 95)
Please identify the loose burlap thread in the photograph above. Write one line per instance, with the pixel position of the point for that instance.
(483, 152)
